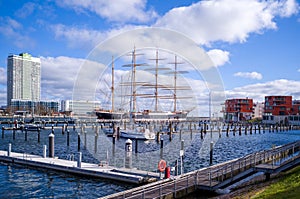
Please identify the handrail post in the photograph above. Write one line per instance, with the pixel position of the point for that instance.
(187, 184)
(293, 152)
(175, 188)
(231, 170)
(160, 190)
(209, 178)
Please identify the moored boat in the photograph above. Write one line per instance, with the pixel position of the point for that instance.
(143, 134)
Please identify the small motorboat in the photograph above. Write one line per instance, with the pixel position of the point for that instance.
(31, 127)
(137, 135)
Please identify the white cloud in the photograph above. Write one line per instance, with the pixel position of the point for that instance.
(251, 75)
(77, 37)
(26, 10)
(226, 20)
(118, 10)
(204, 22)
(14, 31)
(286, 8)
(299, 70)
(58, 76)
(258, 91)
(3, 76)
(219, 57)
(88, 38)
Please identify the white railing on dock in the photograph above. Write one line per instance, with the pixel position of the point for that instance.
(210, 176)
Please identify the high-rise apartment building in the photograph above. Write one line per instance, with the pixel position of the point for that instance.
(23, 77)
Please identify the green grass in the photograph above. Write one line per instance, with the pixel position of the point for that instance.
(287, 187)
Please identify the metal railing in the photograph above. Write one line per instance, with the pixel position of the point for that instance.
(210, 176)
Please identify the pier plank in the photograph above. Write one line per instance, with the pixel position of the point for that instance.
(87, 169)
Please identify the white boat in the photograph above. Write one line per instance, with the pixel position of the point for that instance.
(143, 134)
(31, 127)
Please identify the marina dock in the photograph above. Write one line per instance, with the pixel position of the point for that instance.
(101, 170)
(218, 176)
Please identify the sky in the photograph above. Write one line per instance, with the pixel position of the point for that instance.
(253, 44)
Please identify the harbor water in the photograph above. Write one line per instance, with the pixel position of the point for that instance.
(21, 182)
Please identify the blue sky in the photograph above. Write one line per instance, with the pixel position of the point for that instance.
(254, 44)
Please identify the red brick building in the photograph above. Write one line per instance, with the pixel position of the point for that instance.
(296, 107)
(238, 109)
(278, 105)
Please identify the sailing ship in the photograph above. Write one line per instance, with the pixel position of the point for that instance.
(147, 114)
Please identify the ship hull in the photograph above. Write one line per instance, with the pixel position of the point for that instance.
(162, 116)
(110, 115)
(141, 116)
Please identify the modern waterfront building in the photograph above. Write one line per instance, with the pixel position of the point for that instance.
(278, 105)
(238, 109)
(296, 107)
(23, 78)
(79, 107)
(258, 110)
(35, 107)
(279, 110)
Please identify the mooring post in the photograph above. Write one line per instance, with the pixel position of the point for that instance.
(227, 131)
(14, 133)
(114, 139)
(97, 129)
(81, 129)
(68, 138)
(25, 134)
(157, 137)
(161, 143)
(78, 142)
(51, 145)
(85, 139)
(39, 134)
(79, 159)
(118, 132)
(45, 151)
(2, 132)
(9, 150)
(128, 151)
(63, 129)
(136, 146)
(96, 143)
(211, 153)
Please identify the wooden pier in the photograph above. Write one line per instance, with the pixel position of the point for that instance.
(101, 170)
(219, 176)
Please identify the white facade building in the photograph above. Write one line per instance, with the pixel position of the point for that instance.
(258, 110)
(80, 107)
(23, 78)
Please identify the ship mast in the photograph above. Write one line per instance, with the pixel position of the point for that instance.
(175, 82)
(156, 81)
(134, 80)
(112, 85)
